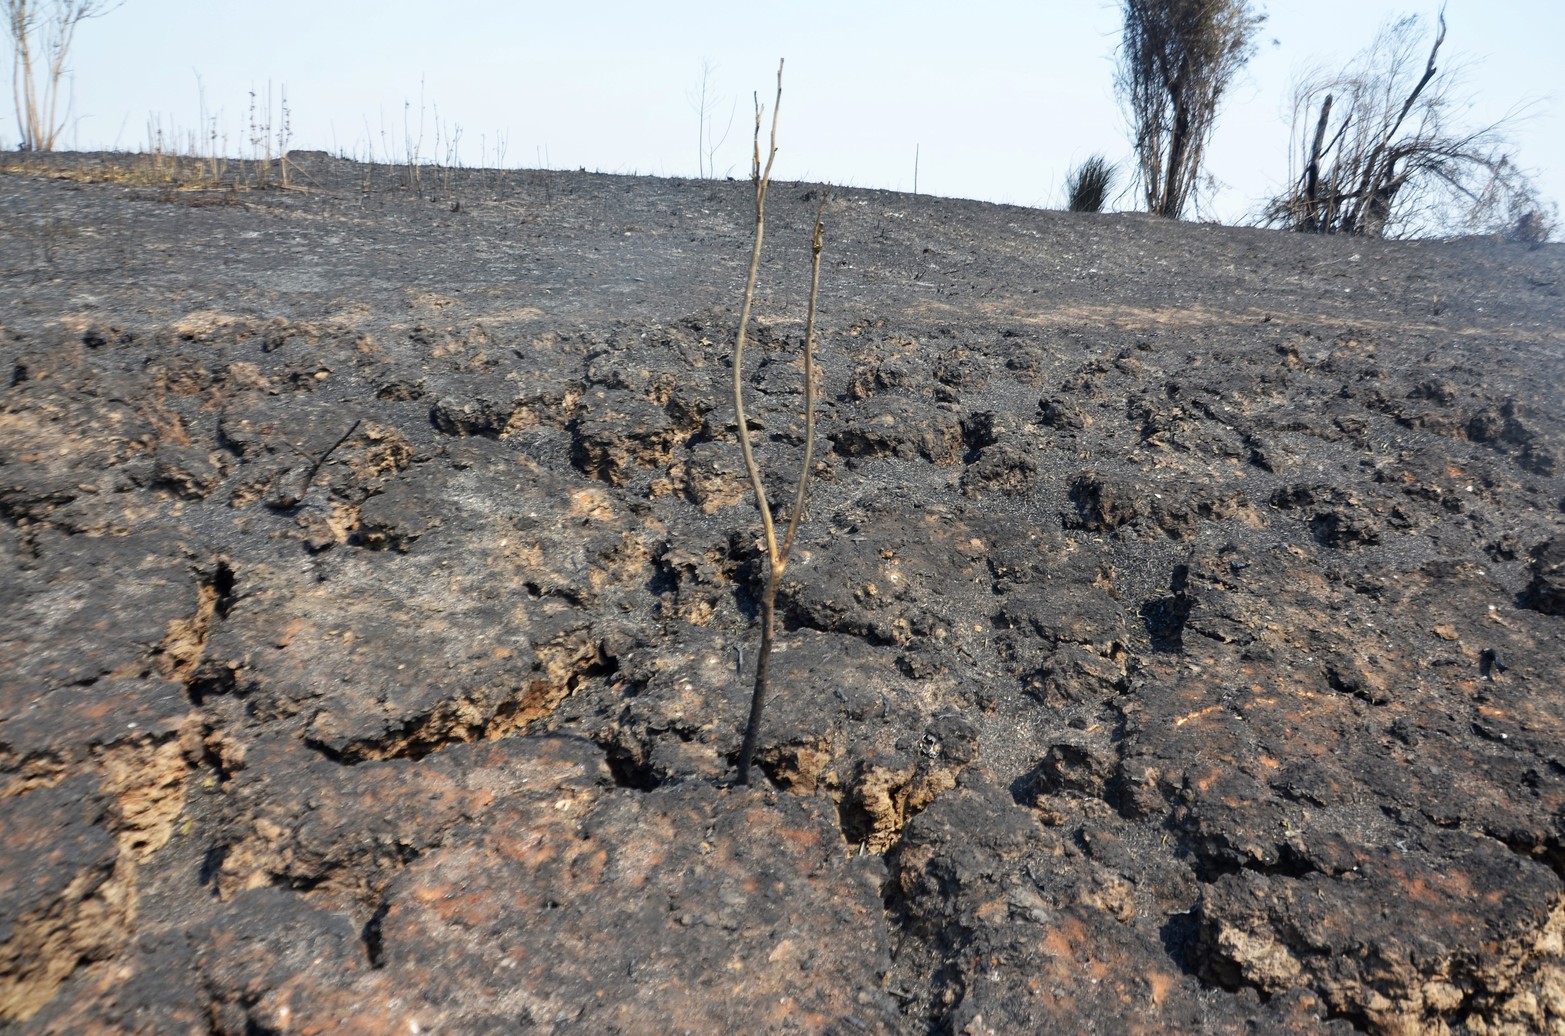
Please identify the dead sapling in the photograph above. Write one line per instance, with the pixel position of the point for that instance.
(776, 554)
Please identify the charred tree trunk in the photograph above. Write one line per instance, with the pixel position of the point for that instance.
(1312, 203)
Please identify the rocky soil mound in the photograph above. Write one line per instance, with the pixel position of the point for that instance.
(1175, 643)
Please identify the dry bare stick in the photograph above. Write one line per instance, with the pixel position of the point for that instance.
(801, 501)
(762, 179)
(776, 556)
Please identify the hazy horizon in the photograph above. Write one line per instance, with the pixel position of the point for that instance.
(997, 104)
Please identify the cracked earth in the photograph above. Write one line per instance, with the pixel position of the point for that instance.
(1174, 644)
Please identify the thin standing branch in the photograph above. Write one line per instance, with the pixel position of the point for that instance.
(801, 501)
(776, 555)
(762, 179)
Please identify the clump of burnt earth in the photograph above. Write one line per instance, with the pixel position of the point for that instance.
(1173, 644)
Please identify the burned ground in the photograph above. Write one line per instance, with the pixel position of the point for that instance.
(1174, 644)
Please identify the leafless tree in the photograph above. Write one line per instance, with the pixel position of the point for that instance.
(707, 103)
(41, 34)
(1175, 61)
(1375, 151)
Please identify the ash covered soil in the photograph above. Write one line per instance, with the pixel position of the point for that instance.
(1175, 643)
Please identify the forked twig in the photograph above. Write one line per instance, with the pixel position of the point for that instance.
(776, 555)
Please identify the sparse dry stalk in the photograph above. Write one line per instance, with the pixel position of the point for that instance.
(283, 134)
(776, 555)
(801, 500)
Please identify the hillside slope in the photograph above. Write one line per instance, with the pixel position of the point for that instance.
(1175, 644)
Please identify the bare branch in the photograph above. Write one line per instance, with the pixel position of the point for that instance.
(1393, 165)
(801, 501)
(762, 179)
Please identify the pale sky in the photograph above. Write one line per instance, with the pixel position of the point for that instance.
(997, 102)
